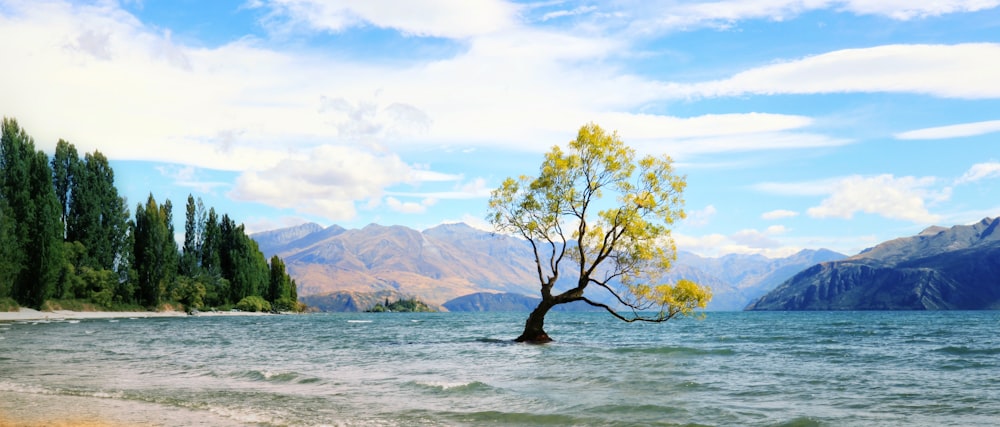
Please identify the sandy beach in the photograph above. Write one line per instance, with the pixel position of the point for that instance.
(27, 314)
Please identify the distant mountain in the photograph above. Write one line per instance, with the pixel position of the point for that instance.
(436, 265)
(737, 279)
(955, 268)
(451, 261)
(486, 301)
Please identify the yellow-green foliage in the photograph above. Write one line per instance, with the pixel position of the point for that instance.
(253, 303)
(610, 214)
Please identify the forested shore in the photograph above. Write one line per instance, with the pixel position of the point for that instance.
(69, 241)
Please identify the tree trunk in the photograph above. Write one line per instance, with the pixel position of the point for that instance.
(534, 327)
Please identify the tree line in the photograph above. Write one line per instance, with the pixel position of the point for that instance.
(66, 234)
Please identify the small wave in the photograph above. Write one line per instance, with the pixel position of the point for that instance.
(274, 377)
(520, 418)
(800, 422)
(494, 340)
(968, 351)
(677, 351)
(452, 387)
(359, 321)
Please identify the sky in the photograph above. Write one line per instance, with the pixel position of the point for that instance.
(799, 124)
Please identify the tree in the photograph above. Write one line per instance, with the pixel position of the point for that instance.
(97, 216)
(155, 251)
(621, 248)
(34, 231)
(190, 255)
(64, 166)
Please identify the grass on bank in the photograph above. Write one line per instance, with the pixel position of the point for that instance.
(8, 304)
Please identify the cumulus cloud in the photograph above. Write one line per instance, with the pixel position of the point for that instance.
(952, 131)
(902, 198)
(980, 171)
(110, 82)
(779, 214)
(325, 183)
(747, 241)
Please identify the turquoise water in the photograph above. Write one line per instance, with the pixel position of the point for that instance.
(752, 369)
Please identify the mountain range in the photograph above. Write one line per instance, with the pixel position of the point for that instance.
(459, 268)
(955, 268)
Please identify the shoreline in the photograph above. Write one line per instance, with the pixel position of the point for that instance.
(28, 314)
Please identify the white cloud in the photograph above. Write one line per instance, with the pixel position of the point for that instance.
(748, 241)
(980, 171)
(434, 18)
(754, 239)
(779, 214)
(777, 229)
(325, 183)
(188, 176)
(409, 207)
(948, 71)
(724, 14)
(806, 188)
(910, 9)
(900, 198)
(579, 10)
(701, 217)
(475, 189)
(952, 131)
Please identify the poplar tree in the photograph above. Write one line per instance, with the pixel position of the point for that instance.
(154, 252)
(97, 214)
(32, 209)
(64, 166)
(190, 253)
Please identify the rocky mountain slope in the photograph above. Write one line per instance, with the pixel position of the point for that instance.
(451, 261)
(955, 268)
(436, 265)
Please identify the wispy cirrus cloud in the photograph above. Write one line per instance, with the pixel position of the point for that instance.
(435, 18)
(961, 130)
(980, 171)
(948, 71)
(653, 17)
(779, 214)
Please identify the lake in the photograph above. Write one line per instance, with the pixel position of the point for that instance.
(729, 368)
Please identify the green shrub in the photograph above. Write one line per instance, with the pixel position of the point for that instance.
(253, 303)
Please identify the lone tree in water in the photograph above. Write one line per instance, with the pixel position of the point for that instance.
(623, 248)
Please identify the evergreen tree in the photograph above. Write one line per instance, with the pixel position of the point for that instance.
(277, 286)
(45, 247)
(171, 255)
(190, 255)
(154, 252)
(97, 216)
(65, 163)
(8, 249)
(211, 258)
(30, 204)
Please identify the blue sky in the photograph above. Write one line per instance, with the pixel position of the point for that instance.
(799, 124)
